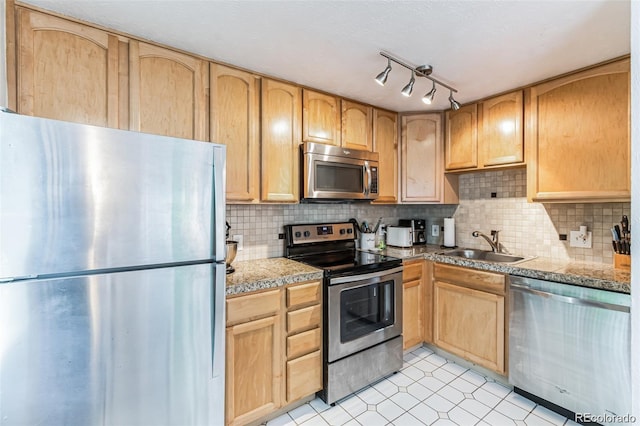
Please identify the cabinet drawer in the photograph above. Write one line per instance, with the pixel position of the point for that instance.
(304, 294)
(304, 376)
(303, 319)
(472, 278)
(303, 343)
(412, 271)
(252, 306)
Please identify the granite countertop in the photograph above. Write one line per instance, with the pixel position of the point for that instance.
(586, 274)
(253, 275)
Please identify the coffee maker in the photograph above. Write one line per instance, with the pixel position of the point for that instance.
(419, 227)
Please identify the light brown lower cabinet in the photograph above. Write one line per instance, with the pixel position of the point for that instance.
(413, 302)
(469, 315)
(274, 355)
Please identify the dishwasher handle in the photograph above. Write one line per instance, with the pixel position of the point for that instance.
(570, 299)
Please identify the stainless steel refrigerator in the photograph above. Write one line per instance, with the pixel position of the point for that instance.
(112, 276)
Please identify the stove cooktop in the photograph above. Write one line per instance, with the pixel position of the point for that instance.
(349, 262)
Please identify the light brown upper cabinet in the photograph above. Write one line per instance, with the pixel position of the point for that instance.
(69, 71)
(422, 177)
(281, 130)
(385, 142)
(578, 137)
(168, 92)
(501, 140)
(320, 118)
(357, 126)
(461, 149)
(235, 122)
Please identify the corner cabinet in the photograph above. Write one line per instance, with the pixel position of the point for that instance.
(235, 122)
(168, 92)
(281, 136)
(357, 126)
(469, 315)
(69, 71)
(320, 118)
(422, 176)
(578, 137)
(385, 143)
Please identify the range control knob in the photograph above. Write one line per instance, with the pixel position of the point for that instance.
(298, 234)
(307, 233)
(349, 231)
(343, 231)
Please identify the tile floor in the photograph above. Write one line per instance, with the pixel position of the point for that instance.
(429, 390)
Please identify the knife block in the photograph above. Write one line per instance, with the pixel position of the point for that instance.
(622, 261)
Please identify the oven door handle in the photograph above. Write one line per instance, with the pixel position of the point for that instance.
(354, 278)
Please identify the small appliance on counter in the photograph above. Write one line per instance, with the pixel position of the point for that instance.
(418, 227)
(399, 236)
(230, 251)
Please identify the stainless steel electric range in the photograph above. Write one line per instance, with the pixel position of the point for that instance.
(362, 306)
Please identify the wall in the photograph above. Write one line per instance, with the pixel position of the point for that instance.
(635, 196)
(531, 229)
(526, 228)
(261, 224)
(3, 55)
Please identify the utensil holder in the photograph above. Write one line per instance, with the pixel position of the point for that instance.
(622, 261)
(367, 241)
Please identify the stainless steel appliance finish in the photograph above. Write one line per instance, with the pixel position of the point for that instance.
(362, 306)
(418, 228)
(335, 173)
(570, 345)
(111, 276)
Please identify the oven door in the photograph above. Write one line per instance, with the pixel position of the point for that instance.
(329, 177)
(362, 311)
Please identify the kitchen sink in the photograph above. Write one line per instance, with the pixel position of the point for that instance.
(485, 255)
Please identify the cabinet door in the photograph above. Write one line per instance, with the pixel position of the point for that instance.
(470, 323)
(412, 304)
(235, 122)
(254, 370)
(578, 137)
(421, 171)
(168, 92)
(69, 71)
(385, 143)
(356, 126)
(502, 139)
(281, 114)
(320, 118)
(461, 150)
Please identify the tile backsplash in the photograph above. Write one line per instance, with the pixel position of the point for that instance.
(530, 229)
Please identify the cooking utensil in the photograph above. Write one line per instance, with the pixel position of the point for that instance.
(618, 233)
(375, 228)
(356, 224)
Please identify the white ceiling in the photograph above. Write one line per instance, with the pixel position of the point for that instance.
(479, 47)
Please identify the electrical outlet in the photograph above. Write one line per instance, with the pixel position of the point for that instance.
(435, 230)
(240, 241)
(578, 239)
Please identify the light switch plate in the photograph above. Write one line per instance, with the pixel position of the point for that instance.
(435, 230)
(577, 239)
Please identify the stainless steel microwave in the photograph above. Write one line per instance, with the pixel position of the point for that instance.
(335, 173)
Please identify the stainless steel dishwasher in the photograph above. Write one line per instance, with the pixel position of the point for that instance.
(570, 346)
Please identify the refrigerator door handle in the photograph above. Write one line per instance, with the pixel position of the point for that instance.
(219, 320)
(219, 200)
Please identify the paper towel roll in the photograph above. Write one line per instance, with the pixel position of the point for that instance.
(449, 232)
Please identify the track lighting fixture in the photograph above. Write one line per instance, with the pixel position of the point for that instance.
(454, 104)
(381, 78)
(406, 90)
(428, 98)
(420, 71)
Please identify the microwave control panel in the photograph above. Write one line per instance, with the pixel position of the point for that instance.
(374, 180)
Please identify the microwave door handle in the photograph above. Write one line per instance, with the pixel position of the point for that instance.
(367, 172)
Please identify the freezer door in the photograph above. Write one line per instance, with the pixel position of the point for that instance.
(129, 348)
(76, 197)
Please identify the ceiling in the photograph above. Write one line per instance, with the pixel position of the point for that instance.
(479, 47)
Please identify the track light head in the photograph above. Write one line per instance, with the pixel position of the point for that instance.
(428, 98)
(381, 78)
(406, 90)
(454, 104)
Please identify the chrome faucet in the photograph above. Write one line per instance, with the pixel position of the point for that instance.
(494, 241)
